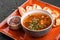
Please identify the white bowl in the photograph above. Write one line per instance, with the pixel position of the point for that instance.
(37, 33)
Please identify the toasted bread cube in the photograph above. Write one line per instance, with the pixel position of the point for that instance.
(58, 21)
(35, 6)
(38, 7)
(22, 10)
(47, 9)
(28, 8)
(55, 14)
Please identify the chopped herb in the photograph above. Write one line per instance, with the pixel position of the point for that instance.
(34, 24)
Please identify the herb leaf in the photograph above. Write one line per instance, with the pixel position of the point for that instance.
(34, 24)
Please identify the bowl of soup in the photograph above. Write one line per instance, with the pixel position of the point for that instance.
(37, 22)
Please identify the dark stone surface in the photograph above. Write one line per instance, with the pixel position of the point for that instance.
(8, 6)
(54, 2)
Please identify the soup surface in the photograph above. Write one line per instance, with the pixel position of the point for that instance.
(37, 21)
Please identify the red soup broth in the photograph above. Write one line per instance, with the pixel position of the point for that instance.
(37, 21)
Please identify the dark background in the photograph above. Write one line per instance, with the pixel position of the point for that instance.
(8, 6)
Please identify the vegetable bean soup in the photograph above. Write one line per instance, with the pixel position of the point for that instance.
(37, 21)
